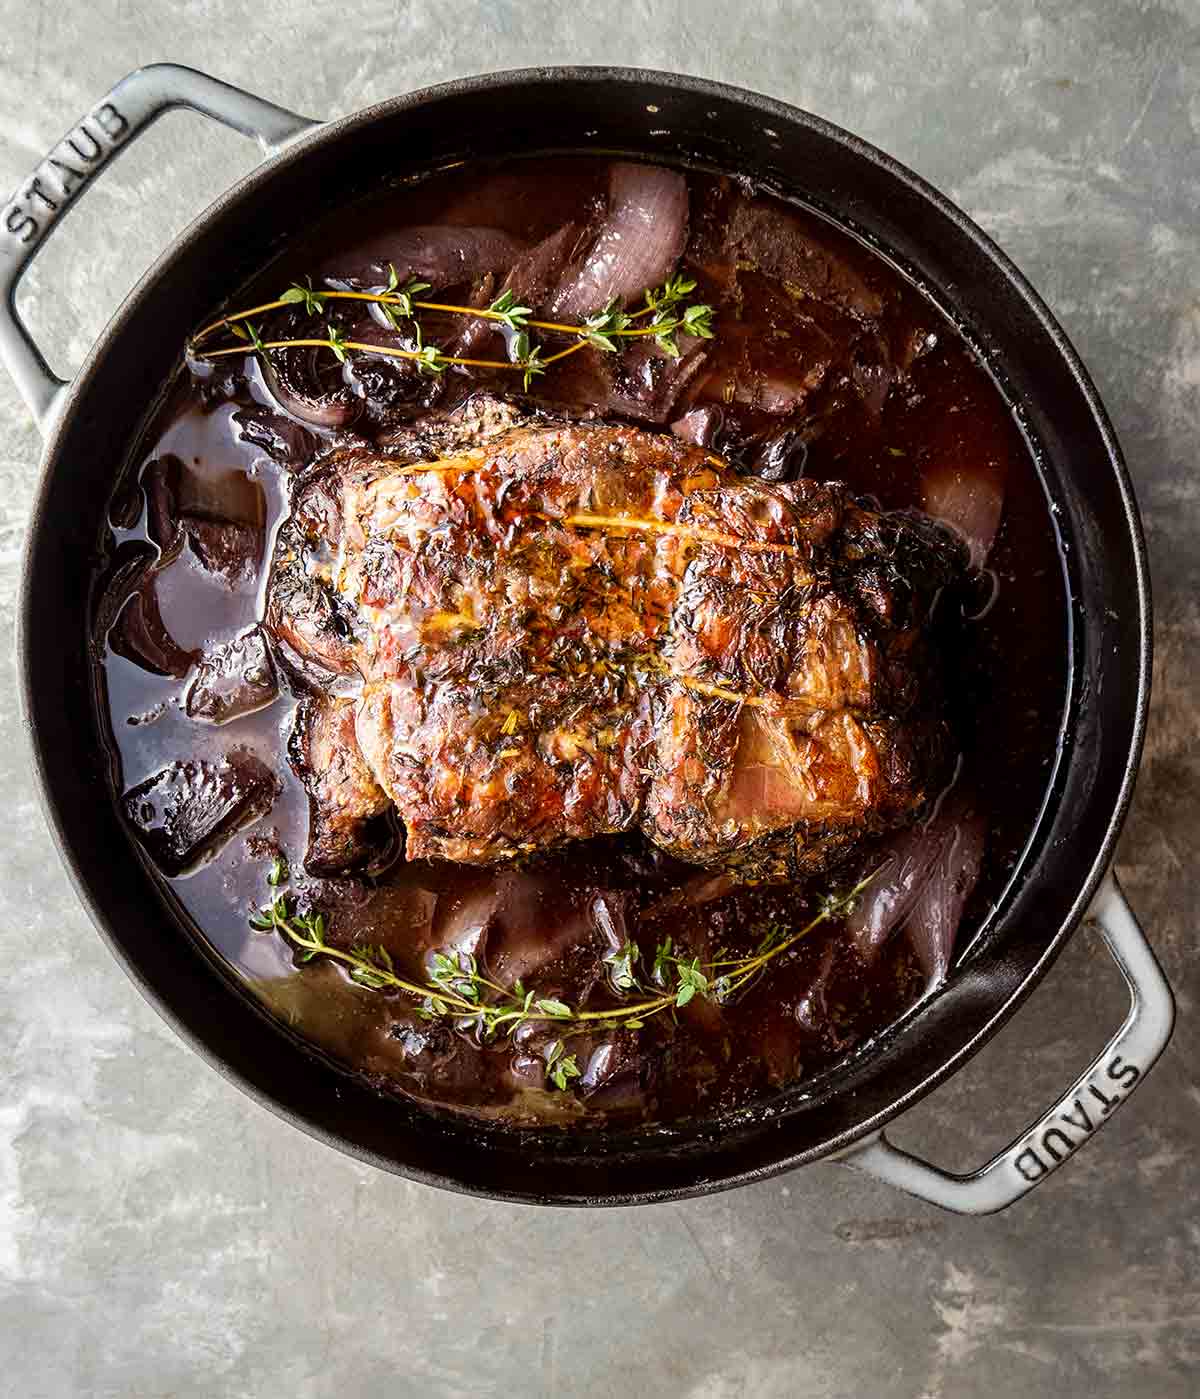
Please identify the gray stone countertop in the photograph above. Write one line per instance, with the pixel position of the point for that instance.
(162, 1235)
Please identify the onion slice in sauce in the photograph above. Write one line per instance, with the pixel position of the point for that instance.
(531, 279)
(923, 884)
(889, 898)
(933, 922)
(295, 381)
(437, 253)
(699, 426)
(969, 500)
(638, 244)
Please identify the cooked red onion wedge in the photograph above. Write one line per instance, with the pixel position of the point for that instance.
(531, 279)
(502, 921)
(441, 254)
(923, 883)
(891, 895)
(969, 500)
(637, 246)
(303, 383)
(933, 923)
(699, 426)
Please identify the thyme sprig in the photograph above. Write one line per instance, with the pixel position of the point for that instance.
(663, 317)
(458, 990)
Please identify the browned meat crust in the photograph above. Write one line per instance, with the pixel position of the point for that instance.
(566, 630)
(344, 798)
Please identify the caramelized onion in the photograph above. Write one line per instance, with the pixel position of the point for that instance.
(699, 426)
(531, 279)
(638, 244)
(300, 382)
(969, 500)
(891, 895)
(933, 922)
(441, 254)
(283, 439)
(781, 457)
(516, 922)
(924, 882)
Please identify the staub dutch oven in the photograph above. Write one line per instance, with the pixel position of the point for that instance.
(310, 167)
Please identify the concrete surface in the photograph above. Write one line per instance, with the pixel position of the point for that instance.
(160, 1235)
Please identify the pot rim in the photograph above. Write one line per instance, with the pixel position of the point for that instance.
(553, 76)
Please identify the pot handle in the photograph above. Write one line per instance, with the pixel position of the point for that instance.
(1084, 1107)
(30, 216)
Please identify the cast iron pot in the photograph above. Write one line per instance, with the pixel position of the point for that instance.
(90, 423)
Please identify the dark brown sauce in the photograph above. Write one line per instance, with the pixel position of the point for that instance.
(813, 1005)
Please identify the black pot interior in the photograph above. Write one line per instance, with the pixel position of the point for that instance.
(668, 118)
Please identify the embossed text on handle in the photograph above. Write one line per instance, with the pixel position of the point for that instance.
(65, 171)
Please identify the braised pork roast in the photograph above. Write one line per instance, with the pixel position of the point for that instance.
(564, 631)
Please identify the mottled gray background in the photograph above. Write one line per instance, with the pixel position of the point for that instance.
(160, 1235)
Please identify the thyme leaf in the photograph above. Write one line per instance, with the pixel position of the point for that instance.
(691, 981)
(672, 291)
(506, 310)
(337, 343)
(430, 360)
(662, 959)
(303, 294)
(697, 320)
(561, 1068)
(620, 965)
(400, 298)
(533, 370)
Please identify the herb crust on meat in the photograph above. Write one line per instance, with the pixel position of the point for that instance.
(548, 631)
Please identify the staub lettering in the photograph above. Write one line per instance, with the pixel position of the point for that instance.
(64, 171)
(1059, 1135)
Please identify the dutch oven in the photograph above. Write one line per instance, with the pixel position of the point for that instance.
(1064, 875)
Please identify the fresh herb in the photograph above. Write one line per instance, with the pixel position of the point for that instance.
(690, 981)
(606, 330)
(312, 301)
(533, 366)
(456, 989)
(620, 968)
(247, 331)
(560, 1068)
(397, 300)
(395, 303)
(278, 873)
(377, 969)
(664, 336)
(307, 931)
(601, 329)
(430, 360)
(662, 960)
(556, 1010)
(337, 343)
(507, 312)
(772, 937)
(697, 321)
(674, 290)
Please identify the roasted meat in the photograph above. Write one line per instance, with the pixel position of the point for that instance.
(549, 631)
(345, 830)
